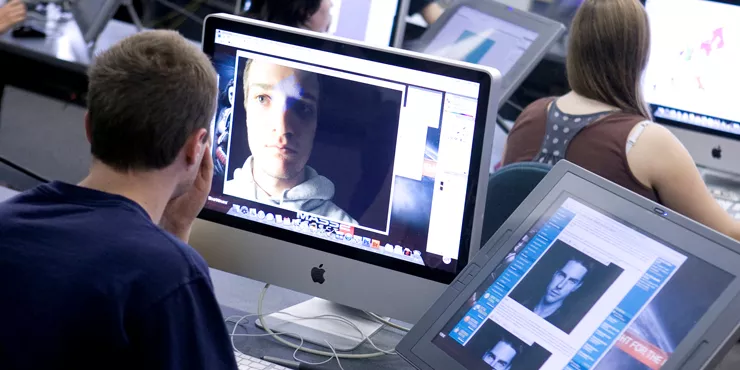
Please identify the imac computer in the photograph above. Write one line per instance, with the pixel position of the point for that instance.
(692, 77)
(375, 22)
(348, 172)
(495, 35)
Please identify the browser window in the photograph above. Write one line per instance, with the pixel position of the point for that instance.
(582, 290)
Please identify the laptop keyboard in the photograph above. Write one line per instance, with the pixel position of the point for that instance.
(246, 362)
(728, 199)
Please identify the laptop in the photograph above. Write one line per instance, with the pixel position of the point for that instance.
(494, 35)
(586, 275)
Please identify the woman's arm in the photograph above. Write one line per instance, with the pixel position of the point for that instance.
(660, 161)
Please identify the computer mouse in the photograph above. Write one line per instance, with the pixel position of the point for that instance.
(27, 32)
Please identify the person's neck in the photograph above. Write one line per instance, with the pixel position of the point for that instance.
(151, 190)
(274, 186)
(544, 309)
(574, 103)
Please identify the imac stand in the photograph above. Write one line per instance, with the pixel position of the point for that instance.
(319, 329)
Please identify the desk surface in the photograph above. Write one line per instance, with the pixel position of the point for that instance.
(64, 46)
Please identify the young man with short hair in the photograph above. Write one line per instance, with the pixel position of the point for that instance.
(99, 275)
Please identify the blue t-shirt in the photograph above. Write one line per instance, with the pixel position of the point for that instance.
(88, 281)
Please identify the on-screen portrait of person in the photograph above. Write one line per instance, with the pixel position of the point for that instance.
(565, 281)
(221, 130)
(501, 355)
(281, 106)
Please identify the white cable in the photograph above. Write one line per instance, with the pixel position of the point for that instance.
(333, 317)
(335, 354)
(309, 350)
(387, 322)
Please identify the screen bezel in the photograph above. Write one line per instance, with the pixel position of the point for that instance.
(688, 237)
(548, 30)
(689, 126)
(386, 56)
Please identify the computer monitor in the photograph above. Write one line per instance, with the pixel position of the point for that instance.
(387, 147)
(92, 16)
(376, 22)
(495, 35)
(692, 77)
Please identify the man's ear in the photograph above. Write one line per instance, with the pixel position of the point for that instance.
(196, 146)
(88, 129)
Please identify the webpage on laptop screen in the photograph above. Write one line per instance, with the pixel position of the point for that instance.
(582, 290)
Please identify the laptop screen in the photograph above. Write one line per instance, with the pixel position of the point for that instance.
(475, 37)
(583, 290)
(367, 158)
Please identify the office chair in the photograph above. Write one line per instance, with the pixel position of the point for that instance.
(507, 189)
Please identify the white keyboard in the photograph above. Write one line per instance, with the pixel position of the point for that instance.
(246, 362)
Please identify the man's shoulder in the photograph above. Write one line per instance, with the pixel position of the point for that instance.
(107, 241)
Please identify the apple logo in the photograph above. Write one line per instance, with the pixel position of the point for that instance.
(317, 274)
(717, 152)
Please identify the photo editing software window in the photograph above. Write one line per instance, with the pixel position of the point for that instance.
(582, 290)
(692, 75)
(351, 151)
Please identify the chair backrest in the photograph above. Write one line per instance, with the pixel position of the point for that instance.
(507, 189)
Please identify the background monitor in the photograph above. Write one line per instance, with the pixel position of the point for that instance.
(692, 77)
(396, 142)
(494, 35)
(92, 16)
(376, 22)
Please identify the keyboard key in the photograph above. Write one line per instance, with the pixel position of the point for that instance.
(725, 204)
(246, 362)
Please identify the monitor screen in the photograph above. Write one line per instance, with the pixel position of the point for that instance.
(692, 75)
(351, 152)
(478, 38)
(583, 290)
(370, 21)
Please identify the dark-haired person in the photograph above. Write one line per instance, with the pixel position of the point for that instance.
(604, 125)
(564, 282)
(314, 15)
(501, 355)
(99, 274)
